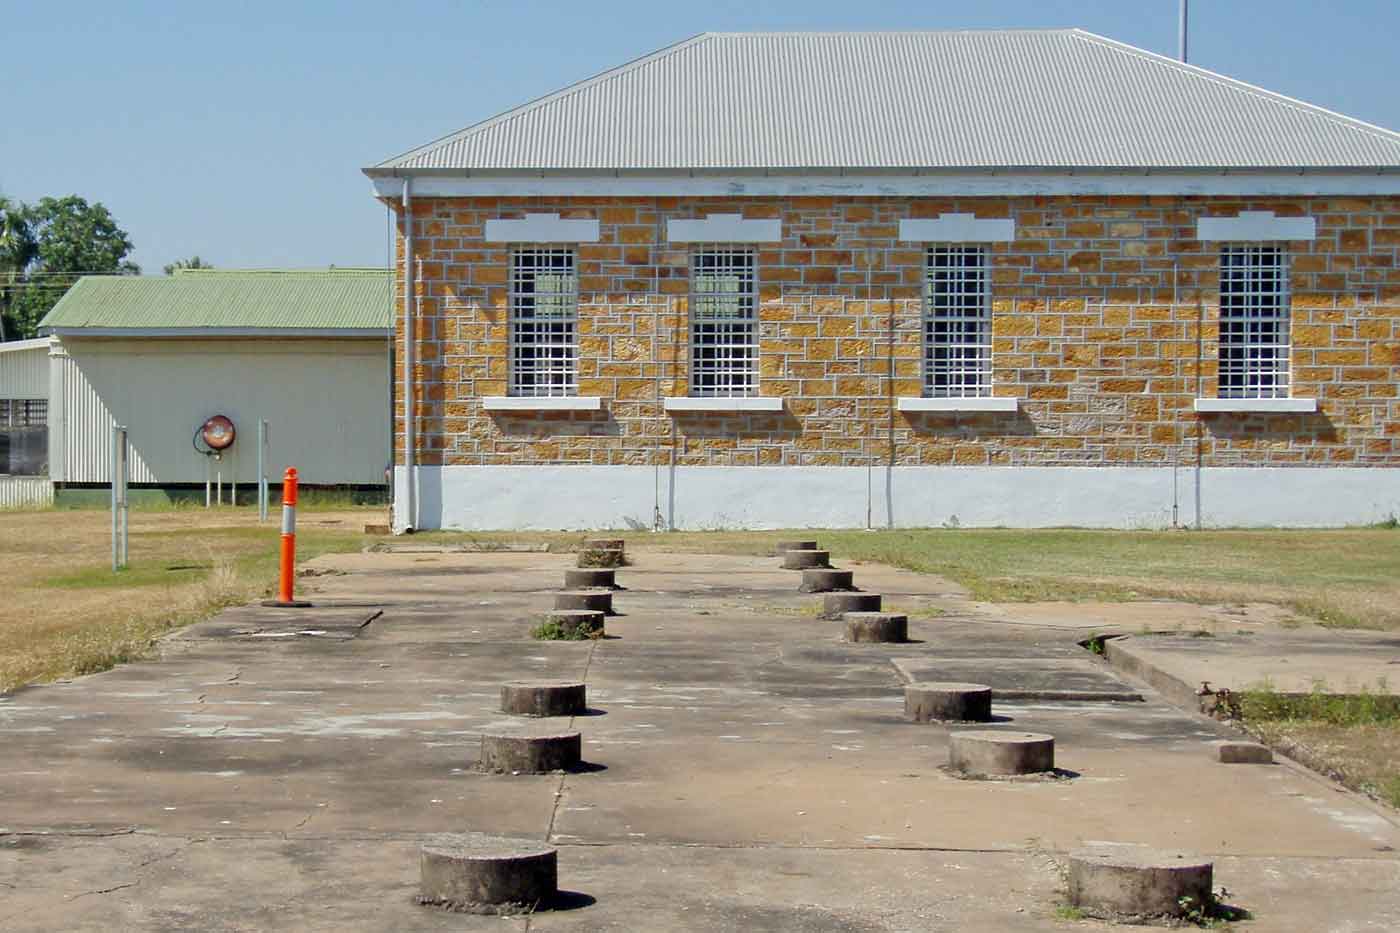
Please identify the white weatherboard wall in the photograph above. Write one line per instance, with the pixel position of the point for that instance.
(24, 369)
(698, 498)
(326, 402)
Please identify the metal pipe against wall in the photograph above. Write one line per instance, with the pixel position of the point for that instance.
(262, 470)
(409, 300)
(120, 507)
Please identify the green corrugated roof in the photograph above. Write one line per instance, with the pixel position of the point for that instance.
(279, 300)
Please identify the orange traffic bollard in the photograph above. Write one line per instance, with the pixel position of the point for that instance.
(288, 563)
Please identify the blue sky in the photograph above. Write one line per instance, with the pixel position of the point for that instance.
(237, 130)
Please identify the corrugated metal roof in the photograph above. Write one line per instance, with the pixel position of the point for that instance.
(937, 100)
(196, 299)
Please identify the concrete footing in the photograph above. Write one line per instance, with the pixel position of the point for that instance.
(592, 600)
(530, 752)
(835, 605)
(1001, 753)
(1232, 752)
(876, 627)
(601, 577)
(476, 873)
(782, 547)
(601, 557)
(802, 559)
(575, 622)
(948, 702)
(824, 579)
(549, 698)
(1137, 883)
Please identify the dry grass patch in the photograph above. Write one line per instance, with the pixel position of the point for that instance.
(68, 614)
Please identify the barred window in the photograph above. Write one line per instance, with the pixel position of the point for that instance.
(1254, 339)
(24, 412)
(32, 413)
(957, 323)
(543, 323)
(723, 323)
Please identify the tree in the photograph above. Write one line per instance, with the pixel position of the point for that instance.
(194, 262)
(17, 251)
(70, 238)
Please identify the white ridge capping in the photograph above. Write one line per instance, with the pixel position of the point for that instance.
(1247, 405)
(724, 228)
(723, 403)
(1256, 225)
(541, 228)
(973, 404)
(957, 228)
(542, 403)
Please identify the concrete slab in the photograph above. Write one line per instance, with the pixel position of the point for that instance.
(1289, 661)
(753, 772)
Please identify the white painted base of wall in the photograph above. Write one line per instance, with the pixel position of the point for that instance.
(481, 498)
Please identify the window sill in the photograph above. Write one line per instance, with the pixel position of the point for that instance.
(542, 403)
(698, 403)
(981, 403)
(1252, 405)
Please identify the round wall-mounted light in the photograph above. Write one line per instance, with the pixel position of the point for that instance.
(217, 433)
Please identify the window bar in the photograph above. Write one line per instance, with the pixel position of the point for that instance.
(723, 323)
(1254, 339)
(543, 323)
(957, 323)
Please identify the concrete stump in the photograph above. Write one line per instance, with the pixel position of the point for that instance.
(1230, 752)
(601, 557)
(530, 752)
(948, 702)
(1135, 882)
(993, 752)
(604, 578)
(835, 605)
(802, 559)
(782, 547)
(547, 698)
(876, 627)
(604, 544)
(824, 579)
(592, 600)
(573, 623)
(476, 873)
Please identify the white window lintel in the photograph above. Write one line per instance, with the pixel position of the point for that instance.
(1252, 226)
(725, 228)
(986, 403)
(1249, 405)
(724, 403)
(957, 228)
(542, 403)
(541, 228)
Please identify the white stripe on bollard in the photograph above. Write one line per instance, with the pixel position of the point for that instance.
(289, 519)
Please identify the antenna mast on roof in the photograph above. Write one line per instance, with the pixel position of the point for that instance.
(1181, 32)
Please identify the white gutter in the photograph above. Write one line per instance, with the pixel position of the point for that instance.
(410, 504)
(363, 333)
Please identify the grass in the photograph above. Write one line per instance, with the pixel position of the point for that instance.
(1354, 736)
(68, 614)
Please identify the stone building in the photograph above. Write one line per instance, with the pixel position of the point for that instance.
(1015, 278)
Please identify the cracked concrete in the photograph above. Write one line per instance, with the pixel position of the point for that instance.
(754, 772)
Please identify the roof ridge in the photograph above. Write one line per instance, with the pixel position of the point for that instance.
(1236, 83)
(577, 86)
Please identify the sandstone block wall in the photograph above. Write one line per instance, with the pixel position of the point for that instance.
(1104, 326)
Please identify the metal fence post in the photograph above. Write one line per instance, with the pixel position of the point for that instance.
(120, 505)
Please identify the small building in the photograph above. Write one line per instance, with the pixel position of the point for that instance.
(305, 351)
(24, 435)
(1021, 278)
